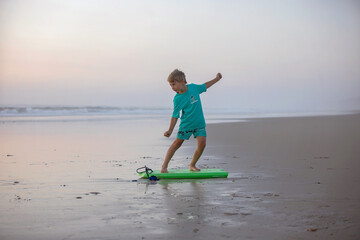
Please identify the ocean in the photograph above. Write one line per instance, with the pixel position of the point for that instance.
(109, 113)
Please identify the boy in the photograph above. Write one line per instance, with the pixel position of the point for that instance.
(187, 100)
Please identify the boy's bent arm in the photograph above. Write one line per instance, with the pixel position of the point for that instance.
(215, 80)
(173, 122)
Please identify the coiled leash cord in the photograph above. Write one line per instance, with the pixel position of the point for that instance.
(148, 171)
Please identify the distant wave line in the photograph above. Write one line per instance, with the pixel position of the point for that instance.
(77, 110)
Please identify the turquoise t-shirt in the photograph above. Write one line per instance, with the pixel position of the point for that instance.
(189, 103)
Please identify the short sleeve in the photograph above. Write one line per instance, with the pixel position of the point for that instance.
(177, 108)
(201, 88)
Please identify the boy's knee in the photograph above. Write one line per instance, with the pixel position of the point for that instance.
(202, 144)
(177, 143)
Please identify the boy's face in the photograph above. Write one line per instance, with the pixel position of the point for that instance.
(177, 86)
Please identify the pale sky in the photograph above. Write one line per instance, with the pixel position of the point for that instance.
(274, 55)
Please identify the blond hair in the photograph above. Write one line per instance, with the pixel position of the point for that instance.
(177, 76)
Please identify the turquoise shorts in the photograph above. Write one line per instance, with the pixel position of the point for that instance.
(186, 134)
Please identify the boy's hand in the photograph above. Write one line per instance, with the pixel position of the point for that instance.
(218, 76)
(167, 133)
(215, 80)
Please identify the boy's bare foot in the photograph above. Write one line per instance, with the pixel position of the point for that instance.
(193, 168)
(164, 170)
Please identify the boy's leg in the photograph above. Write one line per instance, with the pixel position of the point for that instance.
(200, 148)
(170, 153)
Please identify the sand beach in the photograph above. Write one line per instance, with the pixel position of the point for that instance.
(289, 178)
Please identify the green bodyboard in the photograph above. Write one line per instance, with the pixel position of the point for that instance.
(186, 173)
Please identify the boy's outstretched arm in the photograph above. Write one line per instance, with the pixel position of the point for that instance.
(171, 128)
(215, 80)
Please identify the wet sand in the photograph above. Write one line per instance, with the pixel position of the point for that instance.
(289, 178)
(300, 173)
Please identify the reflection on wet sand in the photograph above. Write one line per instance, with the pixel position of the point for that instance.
(76, 181)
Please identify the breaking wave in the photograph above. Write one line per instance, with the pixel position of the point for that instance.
(77, 110)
